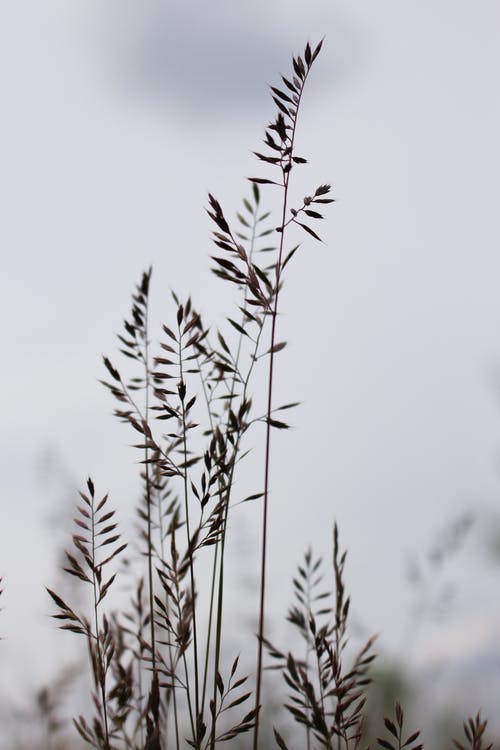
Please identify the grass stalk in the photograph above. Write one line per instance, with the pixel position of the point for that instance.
(285, 165)
(100, 660)
(182, 394)
(147, 471)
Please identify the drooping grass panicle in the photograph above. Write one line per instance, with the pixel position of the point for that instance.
(280, 140)
(96, 544)
(397, 739)
(474, 730)
(135, 346)
(326, 696)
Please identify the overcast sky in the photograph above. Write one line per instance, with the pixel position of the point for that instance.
(117, 119)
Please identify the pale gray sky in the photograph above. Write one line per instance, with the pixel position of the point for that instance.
(116, 121)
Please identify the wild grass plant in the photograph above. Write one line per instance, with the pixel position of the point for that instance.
(161, 676)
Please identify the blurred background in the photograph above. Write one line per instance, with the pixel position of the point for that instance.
(117, 118)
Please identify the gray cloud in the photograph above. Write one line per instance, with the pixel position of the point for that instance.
(208, 58)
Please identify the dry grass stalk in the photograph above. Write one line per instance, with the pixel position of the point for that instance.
(159, 681)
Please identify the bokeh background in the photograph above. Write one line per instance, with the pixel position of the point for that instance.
(117, 118)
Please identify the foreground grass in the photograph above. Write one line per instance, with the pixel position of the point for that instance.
(160, 674)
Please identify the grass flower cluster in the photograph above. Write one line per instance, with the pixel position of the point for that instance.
(161, 677)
